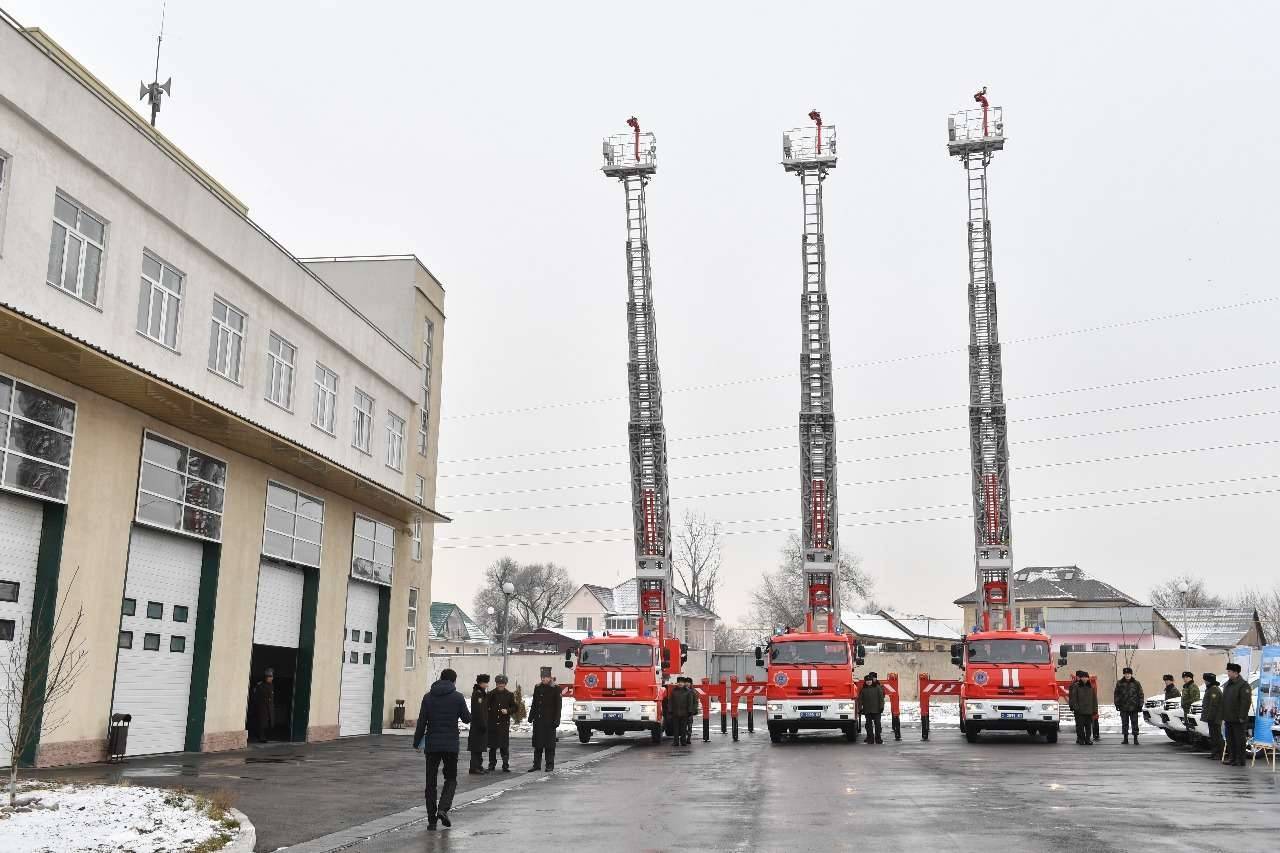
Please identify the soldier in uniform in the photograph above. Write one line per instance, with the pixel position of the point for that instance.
(477, 735)
(1128, 700)
(544, 716)
(1083, 700)
(1211, 714)
(501, 705)
(1190, 695)
(1236, 700)
(1170, 689)
(871, 706)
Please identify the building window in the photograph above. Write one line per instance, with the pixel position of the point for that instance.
(126, 640)
(151, 642)
(37, 430)
(395, 442)
(1032, 617)
(420, 489)
(4, 197)
(180, 488)
(160, 301)
(155, 610)
(584, 623)
(619, 624)
(324, 412)
(1128, 647)
(1101, 647)
(361, 421)
(226, 340)
(417, 537)
(177, 643)
(9, 591)
(75, 249)
(424, 416)
(128, 607)
(411, 631)
(294, 525)
(1071, 647)
(180, 613)
(280, 358)
(373, 552)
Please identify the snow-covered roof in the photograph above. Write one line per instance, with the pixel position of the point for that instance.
(873, 626)
(1213, 627)
(440, 613)
(624, 600)
(1125, 621)
(1057, 583)
(924, 626)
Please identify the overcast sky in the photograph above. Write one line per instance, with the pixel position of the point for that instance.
(1139, 181)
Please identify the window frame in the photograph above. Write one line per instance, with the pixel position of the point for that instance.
(416, 527)
(362, 425)
(289, 368)
(394, 456)
(6, 171)
(143, 461)
(424, 413)
(420, 489)
(74, 230)
(411, 630)
(6, 434)
(330, 396)
(357, 536)
(293, 537)
(149, 287)
(218, 329)
(584, 621)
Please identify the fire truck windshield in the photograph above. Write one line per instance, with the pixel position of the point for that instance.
(810, 652)
(1008, 651)
(616, 654)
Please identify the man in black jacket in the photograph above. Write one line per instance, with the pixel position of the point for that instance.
(478, 735)
(1128, 700)
(1171, 690)
(442, 707)
(544, 716)
(871, 705)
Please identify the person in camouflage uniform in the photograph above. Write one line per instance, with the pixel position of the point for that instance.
(1211, 714)
(1128, 700)
(1190, 695)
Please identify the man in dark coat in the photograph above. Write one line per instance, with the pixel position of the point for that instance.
(681, 708)
(442, 707)
(1083, 700)
(1128, 700)
(477, 736)
(501, 705)
(693, 705)
(1211, 714)
(544, 716)
(1170, 689)
(871, 706)
(262, 707)
(1236, 701)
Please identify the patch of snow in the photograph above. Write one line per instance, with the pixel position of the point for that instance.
(946, 715)
(102, 818)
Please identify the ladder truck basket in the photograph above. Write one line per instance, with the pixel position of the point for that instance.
(967, 125)
(809, 145)
(623, 156)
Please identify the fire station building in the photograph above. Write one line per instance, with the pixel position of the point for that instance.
(224, 454)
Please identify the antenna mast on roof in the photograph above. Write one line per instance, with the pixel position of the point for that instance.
(156, 89)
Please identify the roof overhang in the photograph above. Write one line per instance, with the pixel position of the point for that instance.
(29, 341)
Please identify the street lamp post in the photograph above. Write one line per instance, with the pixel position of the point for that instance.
(1184, 588)
(508, 590)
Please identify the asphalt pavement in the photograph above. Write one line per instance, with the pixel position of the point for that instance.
(820, 793)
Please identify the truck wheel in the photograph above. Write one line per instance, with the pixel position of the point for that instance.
(656, 735)
(584, 734)
(793, 730)
(850, 734)
(1051, 736)
(775, 734)
(971, 733)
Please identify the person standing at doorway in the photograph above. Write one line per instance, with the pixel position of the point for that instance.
(262, 707)
(477, 736)
(544, 716)
(501, 705)
(437, 731)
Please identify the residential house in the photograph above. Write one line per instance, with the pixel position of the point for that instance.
(1109, 629)
(453, 632)
(897, 632)
(1039, 587)
(597, 609)
(1217, 627)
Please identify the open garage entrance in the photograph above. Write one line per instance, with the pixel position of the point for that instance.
(283, 662)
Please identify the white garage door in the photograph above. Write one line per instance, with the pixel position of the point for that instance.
(278, 621)
(157, 639)
(19, 547)
(355, 712)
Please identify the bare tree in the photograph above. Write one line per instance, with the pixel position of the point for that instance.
(1167, 594)
(697, 558)
(782, 599)
(541, 592)
(37, 673)
(731, 639)
(1266, 603)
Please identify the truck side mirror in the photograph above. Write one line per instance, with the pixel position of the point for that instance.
(759, 656)
(957, 654)
(684, 653)
(1062, 659)
(568, 659)
(860, 654)
(666, 658)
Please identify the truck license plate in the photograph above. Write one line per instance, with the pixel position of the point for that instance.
(613, 715)
(1011, 715)
(810, 715)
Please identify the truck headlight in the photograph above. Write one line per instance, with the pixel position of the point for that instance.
(775, 707)
(845, 707)
(973, 706)
(581, 707)
(648, 709)
(1048, 707)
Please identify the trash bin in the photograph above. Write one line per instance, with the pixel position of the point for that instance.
(397, 716)
(118, 736)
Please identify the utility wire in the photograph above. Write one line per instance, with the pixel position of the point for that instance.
(775, 377)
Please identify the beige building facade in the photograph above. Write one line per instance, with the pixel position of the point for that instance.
(224, 457)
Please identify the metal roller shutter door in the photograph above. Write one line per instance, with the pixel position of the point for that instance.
(278, 619)
(355, 710)
(154, 684)
(20, 521)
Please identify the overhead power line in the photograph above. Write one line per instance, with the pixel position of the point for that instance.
(883, 522)
(776, 377)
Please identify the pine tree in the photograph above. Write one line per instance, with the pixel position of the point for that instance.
(520, 711)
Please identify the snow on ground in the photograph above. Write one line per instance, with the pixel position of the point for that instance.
(945, 714)
(105, 818)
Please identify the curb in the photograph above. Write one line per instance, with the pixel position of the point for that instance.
(246, 838)
(344, 838)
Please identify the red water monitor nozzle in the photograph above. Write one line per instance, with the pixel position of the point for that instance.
(816, 118)
(634, 124)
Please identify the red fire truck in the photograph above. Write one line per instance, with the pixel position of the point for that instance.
(619, 683)
(811, 682)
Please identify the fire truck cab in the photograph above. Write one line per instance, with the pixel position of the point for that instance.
(810, 682)
(1009, 683)
(619, 686)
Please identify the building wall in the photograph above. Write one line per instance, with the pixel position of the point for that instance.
(583, 605)
(970, 617)
(1142, 641)
(100, 512)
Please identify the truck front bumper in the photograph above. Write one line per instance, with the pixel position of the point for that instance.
(811, 713)
(616, 716)
(1013, 714)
